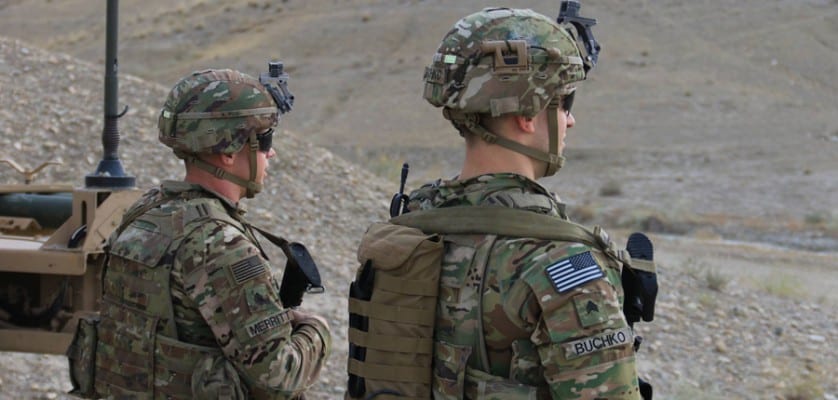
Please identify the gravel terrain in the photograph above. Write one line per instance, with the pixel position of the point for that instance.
(51, 110)
(720, 333)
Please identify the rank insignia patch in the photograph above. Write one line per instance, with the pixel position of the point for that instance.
(591, 309)
(247, 269)
(574, 271)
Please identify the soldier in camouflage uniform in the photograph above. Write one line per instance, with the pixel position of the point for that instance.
(517, 317)
(190, 307)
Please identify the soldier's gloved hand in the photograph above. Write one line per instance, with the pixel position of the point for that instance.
(641, 283)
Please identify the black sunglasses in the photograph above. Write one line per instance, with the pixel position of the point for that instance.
(566, 102)
(265, 140)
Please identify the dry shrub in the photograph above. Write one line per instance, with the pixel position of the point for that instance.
(783, 285)
(808, 388)
(583, 214)
(716, 280)
(611, 189)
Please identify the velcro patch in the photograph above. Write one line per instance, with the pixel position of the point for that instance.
(591, 309)
(434, 75)
(574, 271)
(260, 297)
(593, 344)
(247, 269)
(268, 324)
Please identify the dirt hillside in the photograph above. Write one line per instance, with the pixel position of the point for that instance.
(698, 109)
(711, 125)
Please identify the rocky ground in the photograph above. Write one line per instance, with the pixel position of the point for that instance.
(734, 321)
(51, 111)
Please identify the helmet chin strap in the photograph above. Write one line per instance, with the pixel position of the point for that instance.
(251, 186)
(556, 160)
(471, 123)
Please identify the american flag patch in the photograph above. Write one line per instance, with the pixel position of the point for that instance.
(574, 271)
(247, 268)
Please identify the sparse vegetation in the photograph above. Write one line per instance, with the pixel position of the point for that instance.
(806, 388)
(584, 213)
(693, 268)
(707, 300)
(716, 280)
(824, 221)
(711, 277)
(784, 286)
(385, 166)
(677, 220)
(691, 391)
(700, 157)
(818, 218)
(611, 189)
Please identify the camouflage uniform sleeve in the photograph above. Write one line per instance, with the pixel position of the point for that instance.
(225, 274)
(582, 337)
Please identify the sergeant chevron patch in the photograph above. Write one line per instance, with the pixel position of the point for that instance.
(574, 271)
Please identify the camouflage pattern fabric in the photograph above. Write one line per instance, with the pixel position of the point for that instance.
(215, 111)
(223, 300)
(539, 341)
(468, 73)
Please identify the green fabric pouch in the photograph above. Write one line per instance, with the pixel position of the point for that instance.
(82, 357)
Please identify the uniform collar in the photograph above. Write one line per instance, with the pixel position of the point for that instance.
(499, 189)
(184, 189)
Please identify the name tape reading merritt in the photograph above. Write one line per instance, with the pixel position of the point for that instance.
(267, 324)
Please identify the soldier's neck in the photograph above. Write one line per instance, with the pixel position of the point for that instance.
(484, 158)
(229, 190)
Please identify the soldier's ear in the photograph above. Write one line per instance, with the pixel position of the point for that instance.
(525, 124)
(227, 159)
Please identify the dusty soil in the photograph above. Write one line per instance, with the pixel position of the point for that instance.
(697, 108)
(710, 124)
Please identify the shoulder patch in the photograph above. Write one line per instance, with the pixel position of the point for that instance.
(574, 271)
(247, 269)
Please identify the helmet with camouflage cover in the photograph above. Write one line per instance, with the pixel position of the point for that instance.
(217, 112)
(502, 61)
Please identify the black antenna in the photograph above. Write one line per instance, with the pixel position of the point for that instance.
(109, 173)
(398, 205)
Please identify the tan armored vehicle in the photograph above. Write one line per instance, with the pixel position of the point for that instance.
(52, 237)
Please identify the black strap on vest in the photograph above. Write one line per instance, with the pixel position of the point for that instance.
(301, 274)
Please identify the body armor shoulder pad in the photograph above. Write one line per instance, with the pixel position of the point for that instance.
(146, 239)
